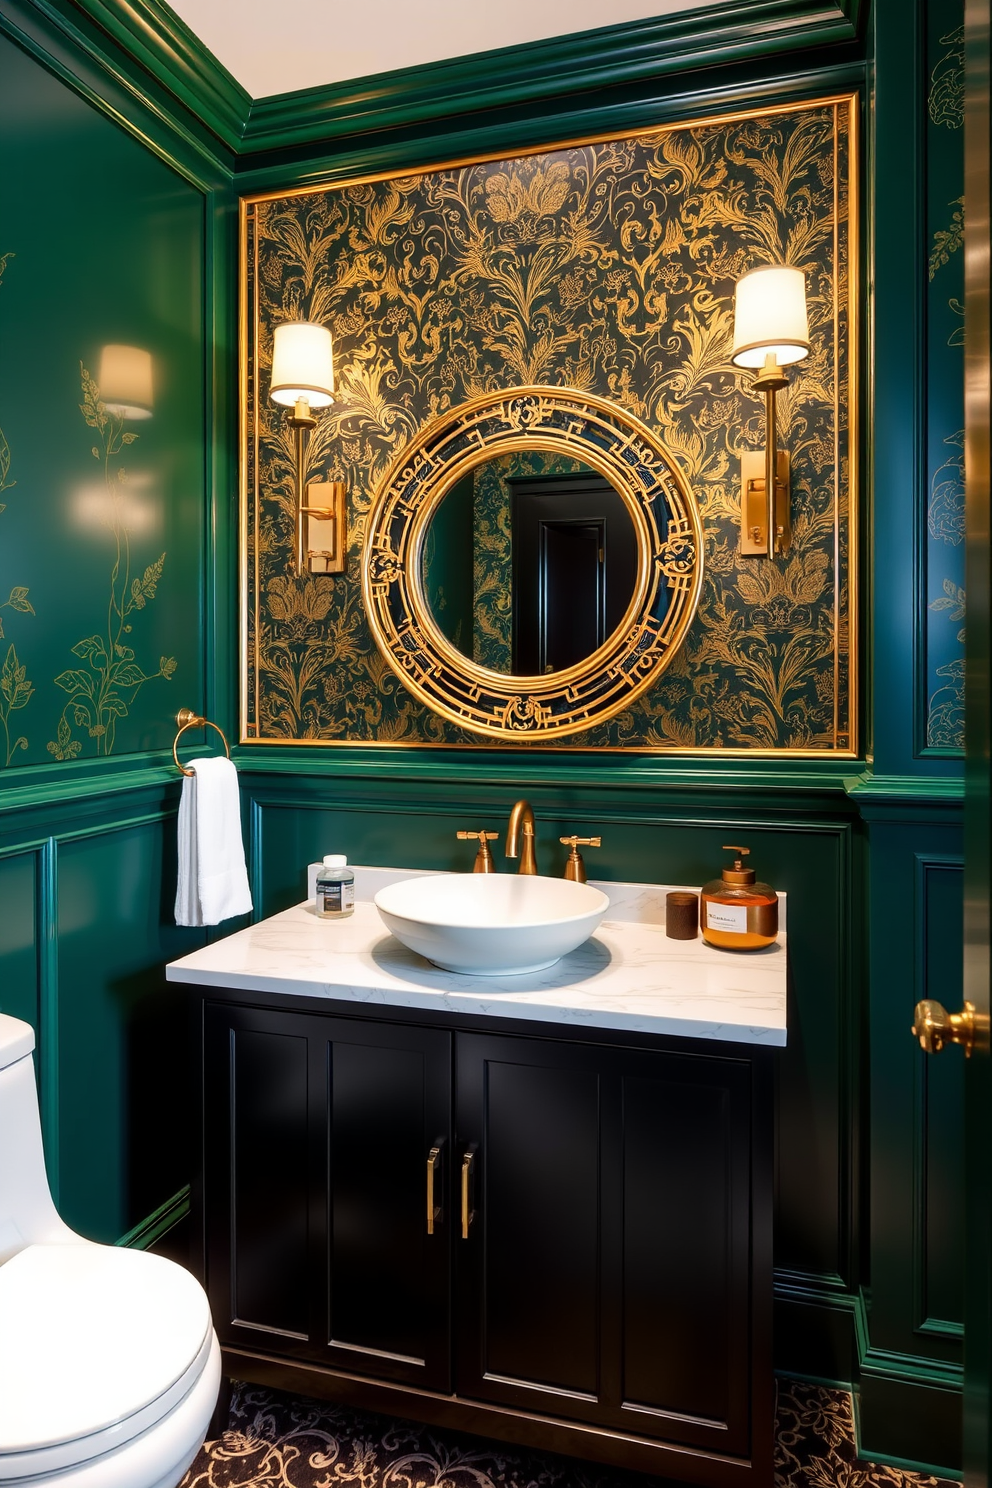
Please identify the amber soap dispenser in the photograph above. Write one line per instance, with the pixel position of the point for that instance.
(738, 914)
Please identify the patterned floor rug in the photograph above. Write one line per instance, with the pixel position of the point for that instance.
(281, 1441)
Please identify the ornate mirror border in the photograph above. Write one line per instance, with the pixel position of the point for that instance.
(669, 567)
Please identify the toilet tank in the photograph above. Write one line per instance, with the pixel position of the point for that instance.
(27, 1213)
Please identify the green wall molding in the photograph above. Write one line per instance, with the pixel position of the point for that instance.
(168, 50)
(536, 72)
(63, 39)
(871, 791)
(163, 1219)
(632, 109)
(51, 785)
(638, 52)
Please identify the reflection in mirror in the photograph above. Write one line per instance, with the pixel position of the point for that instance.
(530, 563)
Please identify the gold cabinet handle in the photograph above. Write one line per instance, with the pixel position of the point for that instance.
(433, 1166)
(467, 1214)
(935, 1027)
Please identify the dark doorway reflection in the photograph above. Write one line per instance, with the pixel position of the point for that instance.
(529, 568)
(574, 569)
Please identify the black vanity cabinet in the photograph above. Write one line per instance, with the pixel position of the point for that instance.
(556, 1238)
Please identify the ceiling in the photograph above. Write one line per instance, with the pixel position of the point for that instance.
(271, 49)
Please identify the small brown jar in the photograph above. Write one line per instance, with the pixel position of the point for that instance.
(736, 913)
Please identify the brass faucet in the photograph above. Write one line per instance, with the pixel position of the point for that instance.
(522, 815)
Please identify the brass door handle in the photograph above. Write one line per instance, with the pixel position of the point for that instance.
(468, 1162)
(935, 1027)
(433, 1167)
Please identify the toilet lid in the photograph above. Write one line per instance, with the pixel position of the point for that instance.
(89, 1334)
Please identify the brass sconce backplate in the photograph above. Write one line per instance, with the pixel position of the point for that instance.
(326, 515)
(754, 505)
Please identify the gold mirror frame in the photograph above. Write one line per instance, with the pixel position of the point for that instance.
(560, 421)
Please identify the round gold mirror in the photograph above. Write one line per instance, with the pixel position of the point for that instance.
(532, 562)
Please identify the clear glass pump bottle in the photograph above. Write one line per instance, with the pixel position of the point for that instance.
(736, 912)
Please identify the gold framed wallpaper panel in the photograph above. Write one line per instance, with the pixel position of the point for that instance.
(606, 265)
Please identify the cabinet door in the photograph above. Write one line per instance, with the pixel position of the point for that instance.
(262, 1170)
(318, 1135)
(388, 1262)
(606, 1272)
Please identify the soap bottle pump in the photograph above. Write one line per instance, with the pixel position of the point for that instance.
(737, 913)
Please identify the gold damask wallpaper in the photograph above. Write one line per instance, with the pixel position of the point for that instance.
(607, 266)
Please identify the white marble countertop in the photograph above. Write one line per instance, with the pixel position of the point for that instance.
(628, 976)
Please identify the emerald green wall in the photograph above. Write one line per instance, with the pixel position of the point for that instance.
(868, 1205)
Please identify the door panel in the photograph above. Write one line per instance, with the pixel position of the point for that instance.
(388, 1283)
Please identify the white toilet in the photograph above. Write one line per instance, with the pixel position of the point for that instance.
(109, 1364)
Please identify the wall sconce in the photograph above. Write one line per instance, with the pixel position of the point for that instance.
(771, 332)
(125, 382)
(303, 380)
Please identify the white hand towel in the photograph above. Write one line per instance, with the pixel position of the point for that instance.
(213, 882)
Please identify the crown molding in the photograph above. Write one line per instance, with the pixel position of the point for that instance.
(154, 37)
(632, 52)
(168, 52)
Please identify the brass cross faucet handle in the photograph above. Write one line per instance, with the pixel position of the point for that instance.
(575, 869)
(483, 858)
(522, 824)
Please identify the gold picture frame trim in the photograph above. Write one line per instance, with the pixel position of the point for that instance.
(847, 102)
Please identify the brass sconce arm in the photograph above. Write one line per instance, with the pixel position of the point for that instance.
(302, 422)
(770, 381)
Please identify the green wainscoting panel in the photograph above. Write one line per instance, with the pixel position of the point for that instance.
(19, 949)
(123, 1034)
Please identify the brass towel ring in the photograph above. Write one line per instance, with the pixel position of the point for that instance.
(187, 719)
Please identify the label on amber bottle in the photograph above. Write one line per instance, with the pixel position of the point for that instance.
(731, 918)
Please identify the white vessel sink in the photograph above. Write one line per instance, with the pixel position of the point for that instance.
(489, 924)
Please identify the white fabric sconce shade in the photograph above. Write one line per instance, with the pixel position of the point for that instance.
(770, 317)
(125, 382)
(302, 364)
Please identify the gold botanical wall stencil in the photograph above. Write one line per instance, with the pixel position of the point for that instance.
(102, 691)
(945, 97)
(947, 240)
(15, 689)
(609, 267)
